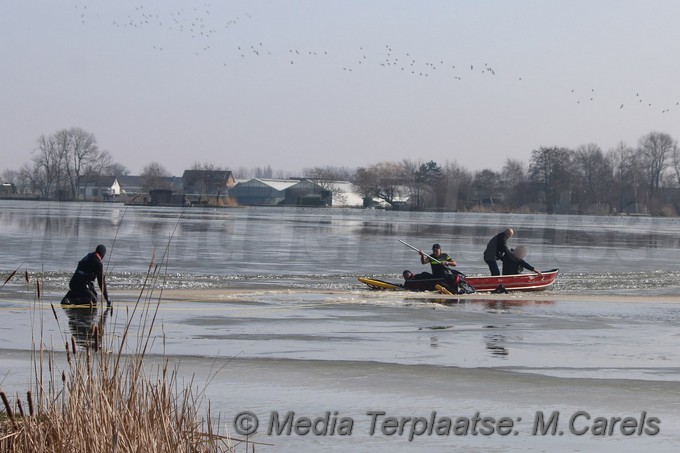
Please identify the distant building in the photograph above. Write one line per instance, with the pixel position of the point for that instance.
(218, 187)
(7, 189)
(131, 186)
(99, 188)
(137, 189)
(204, 186)
(262, 192)
(308, 193)
(295, 192)
(161, 197)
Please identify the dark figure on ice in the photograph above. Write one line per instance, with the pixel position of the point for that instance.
(496, 249)
(82, 290)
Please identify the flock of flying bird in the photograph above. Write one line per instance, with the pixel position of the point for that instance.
(199, 25)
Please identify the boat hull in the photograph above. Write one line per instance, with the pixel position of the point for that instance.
(519, 282)
(380, 284)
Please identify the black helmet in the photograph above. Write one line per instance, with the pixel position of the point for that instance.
(101, 250)
(436, 246)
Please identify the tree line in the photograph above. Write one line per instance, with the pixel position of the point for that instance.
(644, 179)
(60, 165)
(586, 180)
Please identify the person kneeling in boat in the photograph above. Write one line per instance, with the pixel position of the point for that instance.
(438, 261)
(513, 262)
(441, 263)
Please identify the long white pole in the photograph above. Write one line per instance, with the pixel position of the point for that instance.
(419, 251)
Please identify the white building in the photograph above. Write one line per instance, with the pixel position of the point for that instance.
(99, 188)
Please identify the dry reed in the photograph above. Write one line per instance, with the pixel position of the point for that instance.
(98, 398)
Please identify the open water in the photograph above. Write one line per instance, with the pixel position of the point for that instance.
(269, 297)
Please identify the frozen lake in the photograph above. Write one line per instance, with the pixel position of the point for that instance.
(270, 296)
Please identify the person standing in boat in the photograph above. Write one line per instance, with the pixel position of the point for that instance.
(513, 262)
(81, 285)
(440, 264)
(496, 249)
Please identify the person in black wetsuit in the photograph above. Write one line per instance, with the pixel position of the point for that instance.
(496, 248)
(408, 275)
(513, 262)
(423, 281)
(81, 286)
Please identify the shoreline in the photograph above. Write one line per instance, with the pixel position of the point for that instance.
(219, 295)
(222, 294)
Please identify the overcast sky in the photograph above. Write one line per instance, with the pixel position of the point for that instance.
(296, 84)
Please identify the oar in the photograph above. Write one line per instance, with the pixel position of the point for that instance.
(420, 251)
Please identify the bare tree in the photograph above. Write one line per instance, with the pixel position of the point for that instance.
(117, 169)
(383, 180)
(261, 172)
(265, 172)
(25, 184)
(487, 184)
(656, 148)
(63, 158)
(629, 187)
(48, 161)
(551, 167)
(455, 186)
(206, 166)
(513, 182)
(416, 189)
(154, 176)
(100, 166)
(243, 173)
(595, 177)
(514, 173)
(675, 158)
(328, 173)
(28, 175)
(82, 156)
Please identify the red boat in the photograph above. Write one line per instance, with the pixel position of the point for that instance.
(519, 282)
